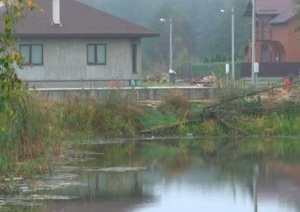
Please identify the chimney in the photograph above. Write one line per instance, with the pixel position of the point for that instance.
(56, 12)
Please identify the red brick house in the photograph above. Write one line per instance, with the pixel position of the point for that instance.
(277, 39)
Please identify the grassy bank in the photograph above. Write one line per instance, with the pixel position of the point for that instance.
(33, 130)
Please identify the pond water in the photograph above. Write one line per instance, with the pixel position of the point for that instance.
(156, 178)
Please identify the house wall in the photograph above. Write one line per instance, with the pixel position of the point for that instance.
(289, 38)
(285, 34)
(293, 41)
(65, 63)
(249, 51)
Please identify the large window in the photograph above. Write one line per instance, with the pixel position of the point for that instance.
(32, 54)
(96, 54)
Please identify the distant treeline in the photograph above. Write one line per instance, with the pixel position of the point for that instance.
(201, 33)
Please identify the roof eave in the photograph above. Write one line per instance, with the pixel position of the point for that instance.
(71, 35)
(278, 22)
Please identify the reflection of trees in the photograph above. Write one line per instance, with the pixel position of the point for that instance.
(281, 180)
(167, 157)
(272, 180)
(114, 154)
(172, 161)
(112, 184)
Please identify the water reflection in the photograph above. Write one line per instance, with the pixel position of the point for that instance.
(137, 181)
(204, 188)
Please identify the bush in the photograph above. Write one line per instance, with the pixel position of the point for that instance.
(176, 102)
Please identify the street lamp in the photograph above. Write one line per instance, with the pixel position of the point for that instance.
(232, 42)
(171, 42)
(253, 72)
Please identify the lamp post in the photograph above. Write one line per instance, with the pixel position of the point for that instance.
(253, 55)
(171, 41)
(232, 42)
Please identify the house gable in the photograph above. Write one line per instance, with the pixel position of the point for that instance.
(279, 10)
(276, 37)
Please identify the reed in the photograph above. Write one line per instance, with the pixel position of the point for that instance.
(113, 117)
(24, 137)
(269, 126)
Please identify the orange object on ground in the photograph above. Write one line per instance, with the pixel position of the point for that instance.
(287, 85)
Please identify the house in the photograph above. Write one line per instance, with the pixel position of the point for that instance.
(277, 39)
(68, 44)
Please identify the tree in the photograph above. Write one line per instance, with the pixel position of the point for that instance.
(10, 56)
(12, 104)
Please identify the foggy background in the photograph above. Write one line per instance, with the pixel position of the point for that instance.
(201, 32)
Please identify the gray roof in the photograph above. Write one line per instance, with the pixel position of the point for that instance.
(78, 20)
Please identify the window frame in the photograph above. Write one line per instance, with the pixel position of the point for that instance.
(95, 55)
(30, 53)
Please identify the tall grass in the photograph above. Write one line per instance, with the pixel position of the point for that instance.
(24, 137)
(113, 117)
(277, 124)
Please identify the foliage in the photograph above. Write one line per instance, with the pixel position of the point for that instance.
(28, 141)
(116, 116)
(13, 105)
(270, 126)
(174, 109)
(11, 95)
(153, 118)
(251, 106)
(291, 109)
(177, 102)
(10, 57)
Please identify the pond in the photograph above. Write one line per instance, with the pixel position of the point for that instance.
(144, 177)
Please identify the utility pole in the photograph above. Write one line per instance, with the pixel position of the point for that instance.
(253, 74)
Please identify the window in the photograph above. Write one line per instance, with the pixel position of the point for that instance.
(265, 54)
(96, 54)
(134, 57)
(266, 35)
(32, 54)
